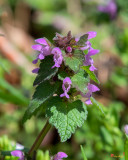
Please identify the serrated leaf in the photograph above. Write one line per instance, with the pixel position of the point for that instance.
(80, 81)
(73, 63)
(42, 93)
(66, 117)
(80, 55)
(46, 71)
(82, 40)
(91, 73)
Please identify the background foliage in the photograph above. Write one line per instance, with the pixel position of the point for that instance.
(21, 21)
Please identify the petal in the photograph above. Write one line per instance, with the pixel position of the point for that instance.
(77, 39)
(17, 153)
(67, 80)
(56, 50)
(88, 101)
(103, 9)
(41, 56)
(35, 70)
(91, 34)
(92, 68)
(84, 48)
(41, 41)
(93, 52)
(92, 88)
(62, 95)
(62, 155)
(35, 61)
(65, 95)
(37, 47)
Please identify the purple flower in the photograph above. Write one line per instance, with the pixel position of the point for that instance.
(43, 47)
(18, 153)
(91, 34)
(91, 88)
(60, 155)
(110, 8)
(35, 70)
(66, 87)
(88, 60)
(126, 129)
(87, 46)
(58, 58)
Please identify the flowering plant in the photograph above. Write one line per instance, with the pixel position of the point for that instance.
(62, 81)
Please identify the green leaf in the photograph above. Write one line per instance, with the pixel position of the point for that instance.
(62, 75)
(73, 63)
(82, 40)
(80, 81)
(11, 94)
(91, 73)
(46, 71)
(126, 148)
(83, 152)
(66, 117)
(98, 106)
(106, 136)
(42, 93)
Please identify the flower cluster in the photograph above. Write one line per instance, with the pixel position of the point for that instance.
(65, 46)
(20, 155)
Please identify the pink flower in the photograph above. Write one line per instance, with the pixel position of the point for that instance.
(18, 153)
(88, 60)
(110, 8)
(126, 129)
(43, 47)
(91, 88)
(91, 34)
(66, 87)
(60, 155)
(58, 58)
(35, 70)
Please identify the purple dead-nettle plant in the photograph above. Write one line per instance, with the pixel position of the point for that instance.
(110, 8)
(18, 153)
(59, 156)
(62, 83)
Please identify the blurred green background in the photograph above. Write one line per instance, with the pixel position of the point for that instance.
(21, 21)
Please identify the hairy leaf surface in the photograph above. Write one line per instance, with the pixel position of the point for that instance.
(46, 71)
(65, 116)
(80, 81)
(42, 93)
(91, 73)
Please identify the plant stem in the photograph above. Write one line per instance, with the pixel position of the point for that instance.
(39, 139)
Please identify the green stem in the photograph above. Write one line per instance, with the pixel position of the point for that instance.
(126, 148)
(39, 139)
